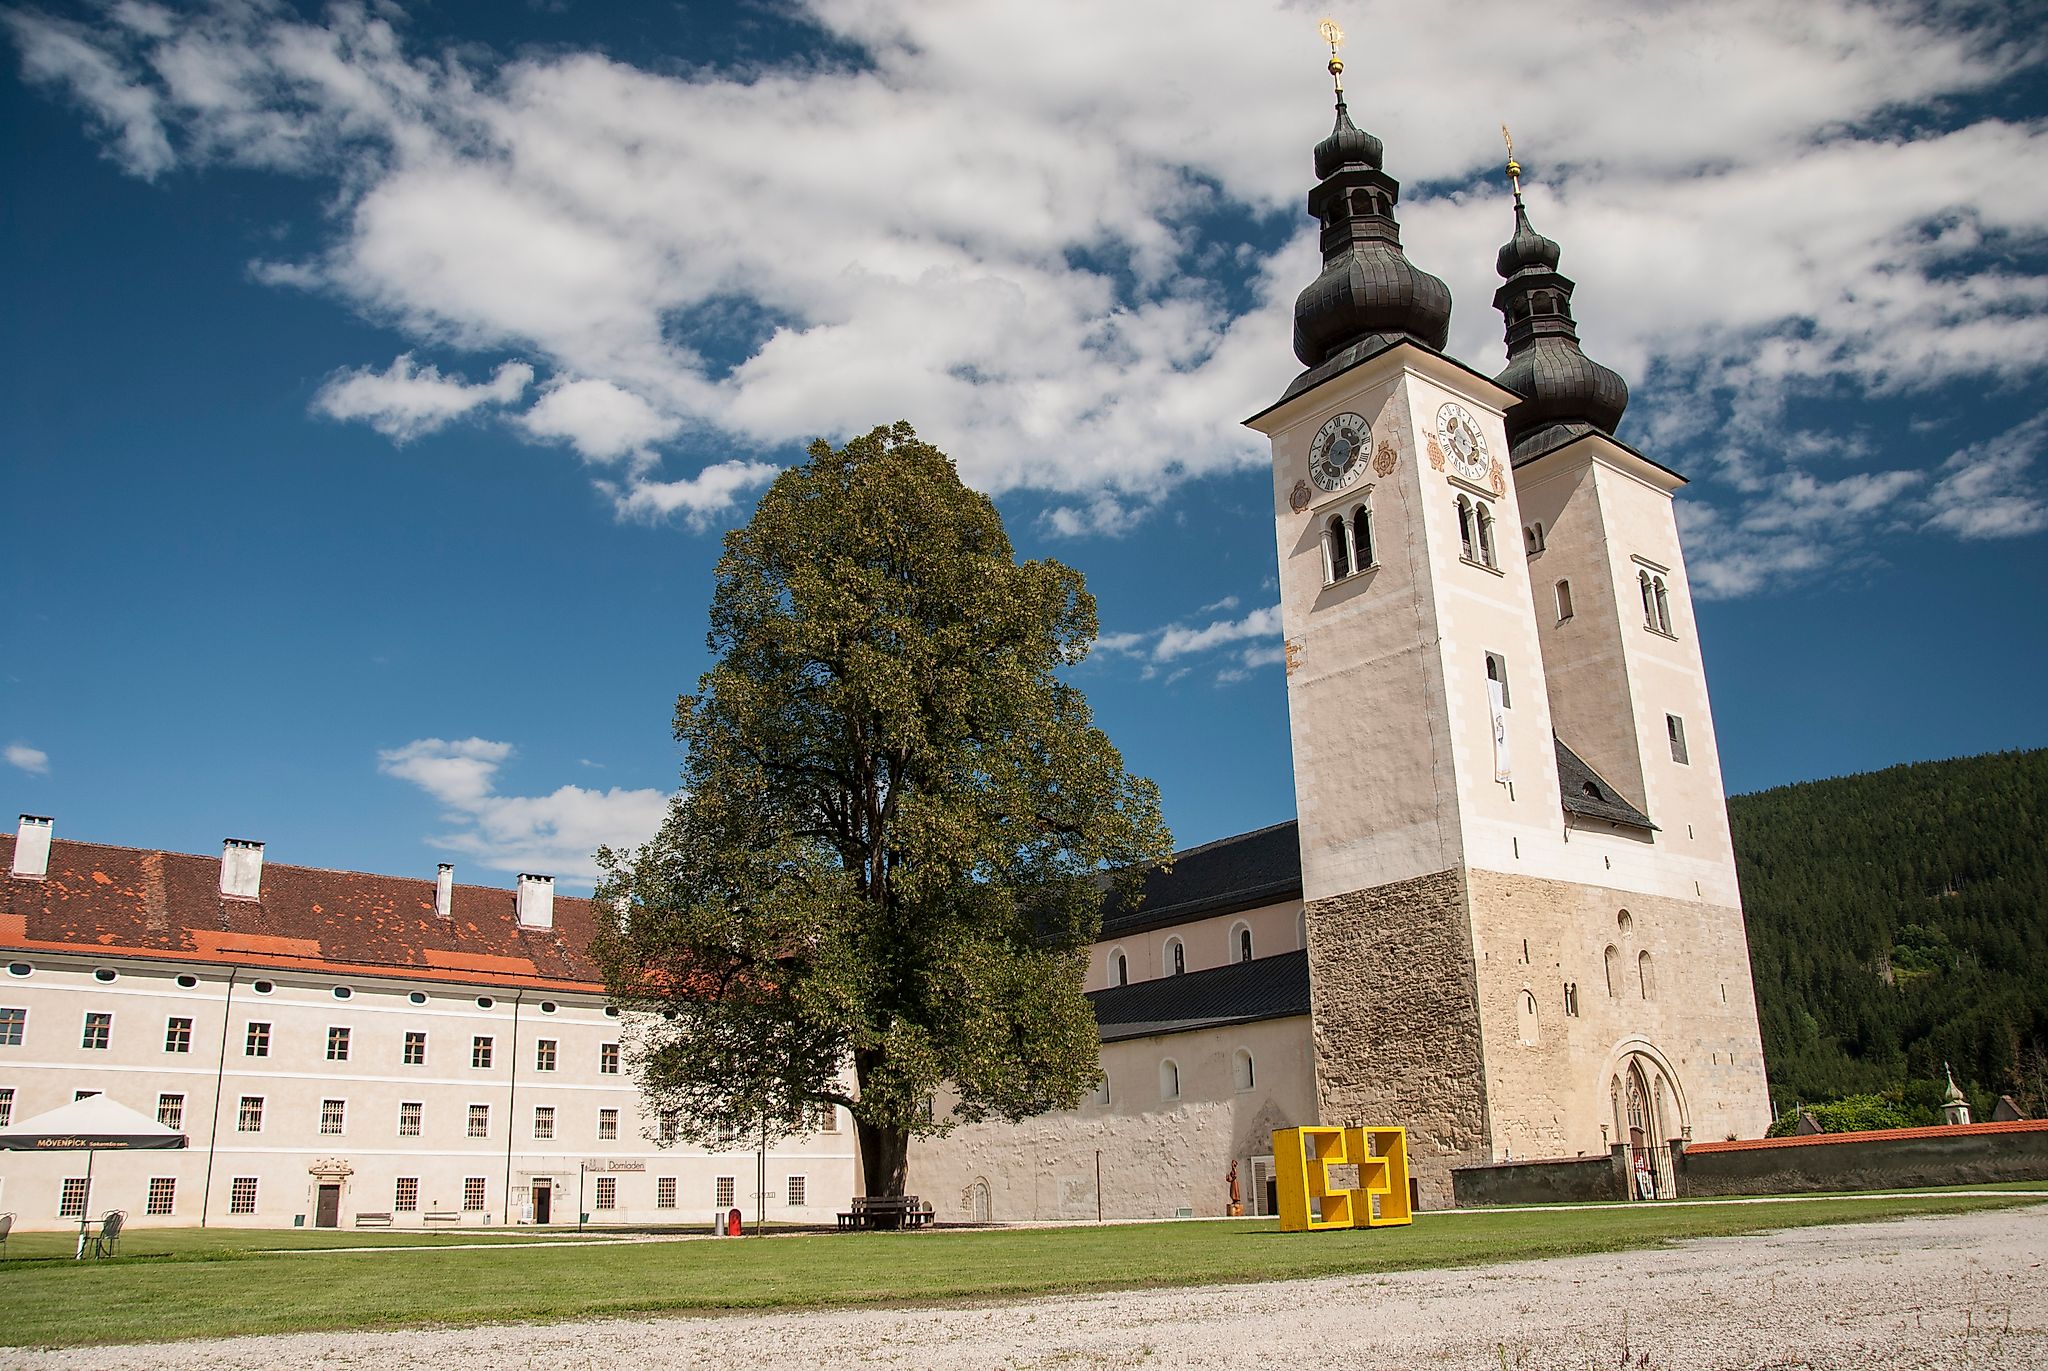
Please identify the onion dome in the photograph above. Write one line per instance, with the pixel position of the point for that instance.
(1564, 392)
(1369, 296)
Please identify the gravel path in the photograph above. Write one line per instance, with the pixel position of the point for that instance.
(1963, 1291)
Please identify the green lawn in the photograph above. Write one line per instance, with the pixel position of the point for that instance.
(190, 1284)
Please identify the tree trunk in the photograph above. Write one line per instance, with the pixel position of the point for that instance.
(884, 1158)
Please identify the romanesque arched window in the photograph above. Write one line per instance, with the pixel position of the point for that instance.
(1468, 533)
(1336, 550)
(1241, 941)
(1241, 1068)
(1613, 971)
(1528, 1019)
(1169, 1079)
(1646, 975)
(1362, 556)
(1176, 957)
(1486, 556)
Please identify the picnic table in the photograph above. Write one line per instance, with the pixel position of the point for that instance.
(886, 1212)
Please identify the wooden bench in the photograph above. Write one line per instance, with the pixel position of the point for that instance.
(441, 1216)
(373, 1221)
(886, 1213)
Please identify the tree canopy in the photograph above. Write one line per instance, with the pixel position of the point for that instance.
(1898, 921)
(896, 826)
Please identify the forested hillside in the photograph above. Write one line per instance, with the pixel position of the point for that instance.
(1898, 920)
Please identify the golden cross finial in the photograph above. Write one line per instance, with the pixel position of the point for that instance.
(1514, 167)
(1334, 36)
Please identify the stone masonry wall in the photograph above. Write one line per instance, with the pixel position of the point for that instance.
(1397, 1036)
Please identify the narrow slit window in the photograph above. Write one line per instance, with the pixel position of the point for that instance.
(1467, 533)
(1564, 601)
(1497, 672)
(1337, 548)
(1674, 729)
(1362, 555)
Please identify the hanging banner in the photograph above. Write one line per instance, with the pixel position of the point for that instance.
(1497, 708)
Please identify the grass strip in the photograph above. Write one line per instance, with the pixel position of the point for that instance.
(210, 1288)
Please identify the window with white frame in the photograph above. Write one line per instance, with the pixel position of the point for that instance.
(1674, 732)
(543, 1121)
(544, 1054)
(256, 1041)
(1656, 602)
(664, 1192)
(479, 1121)
(405, 1194)
(607, 1124)
(796, 1190)
(1241, 942)
(724, 1191)
(1119, 968)
(607, 1193)
(162, 1197)
(170, 1111)
(1169, 1079)
(6, 1105)
(415, 1051)
(249, 1116)
(480, 1053)
(71, 1198)
(177, 1035)
(472, 1193)
(826, 1119)
(669, 1124)
(1241, 1069)
(1176, 957)
(242, 1195)
(412, 1115)
(13, 1026)
(98, 1032)
(333, 1116)
(337, 1044)
(608, 1059)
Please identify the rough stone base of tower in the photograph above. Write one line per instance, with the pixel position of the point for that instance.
(1397, 1039)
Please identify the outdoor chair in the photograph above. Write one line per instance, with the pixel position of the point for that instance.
(110, 1232)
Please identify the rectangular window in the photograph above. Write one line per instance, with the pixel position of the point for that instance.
(1674, 728)
(411, 1114)
(665, 1192)
(479, 1121)
(170, 1110)
(163, 1195)
(1564, 601)
(333, 1113)
(415, 1049)
(71, 1198)
(337, 1044)
(13, 1024)
(6, 1105)
(725, 1192)
(544, 1055)
(543, 1121)
(727, 1135)
(608, 1059)
(177, 1035)
(257, 1042)
(607, 1192)
(607, 1124)
(828, 1117)
(472, 1193)
(242, 1195)
(669, 1125)
(405, 1195)
(480, 1053)
(799, 1188)
(249, 1118)
(99, 1031)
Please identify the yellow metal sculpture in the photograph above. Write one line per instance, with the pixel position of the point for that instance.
(1341, 1178)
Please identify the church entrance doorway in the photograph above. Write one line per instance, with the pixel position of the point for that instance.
(978, 1201)
(327, 1208)
(543, 1201)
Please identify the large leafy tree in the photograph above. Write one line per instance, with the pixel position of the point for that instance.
(896, 824)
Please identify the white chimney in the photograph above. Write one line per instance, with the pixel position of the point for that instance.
(32, 847)
(444, 891)
(241, 869)
(536, 901)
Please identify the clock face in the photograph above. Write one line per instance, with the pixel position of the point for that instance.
(1337, 457)
(1457, 432)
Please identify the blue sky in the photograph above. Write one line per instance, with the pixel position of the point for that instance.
(378, 384)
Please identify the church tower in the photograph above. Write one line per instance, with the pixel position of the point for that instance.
(1495, 925)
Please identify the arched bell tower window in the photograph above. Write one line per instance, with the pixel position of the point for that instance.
(1176, 957)
(1241, 941)
(1336, 550)
(1468, 535)
(1362, 558)
(1486, 536)
(1656, 603)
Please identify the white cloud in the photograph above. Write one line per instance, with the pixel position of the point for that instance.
(406, 400)
(556, 833)
(1177, 640)
(33, 760)
(997, 232)
(1984, 490)
(1154, 647)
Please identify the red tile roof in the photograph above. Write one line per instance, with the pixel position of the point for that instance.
(1946, 1130)
(124, 901)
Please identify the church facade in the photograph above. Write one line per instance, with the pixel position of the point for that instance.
(1507, 916)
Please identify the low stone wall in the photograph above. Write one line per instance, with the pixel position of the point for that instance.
(1961, 1154)
(1561, 1180)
